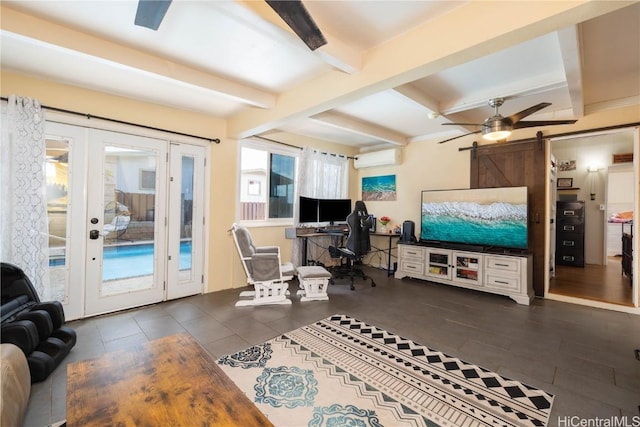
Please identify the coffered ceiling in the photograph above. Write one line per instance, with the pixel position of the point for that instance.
(391, 73)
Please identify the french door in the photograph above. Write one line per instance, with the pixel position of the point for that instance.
(126, 219)
(186, 221)
(126, 207)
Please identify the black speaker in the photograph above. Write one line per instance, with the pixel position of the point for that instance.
(408, 232)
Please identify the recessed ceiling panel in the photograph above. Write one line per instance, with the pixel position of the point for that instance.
(370, 23)
(313, 128)
(73, 68)
(223, 38)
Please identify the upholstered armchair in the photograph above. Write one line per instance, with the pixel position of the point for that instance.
(264, 270)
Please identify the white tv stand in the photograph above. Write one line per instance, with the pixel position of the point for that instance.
(502, 274)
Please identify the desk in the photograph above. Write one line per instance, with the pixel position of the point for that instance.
(305, 234)
(390, 236)
(172, 381)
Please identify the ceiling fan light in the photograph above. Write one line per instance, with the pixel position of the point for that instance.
(497, 135)
(496, 128)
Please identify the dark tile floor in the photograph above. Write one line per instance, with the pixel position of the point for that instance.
(584, 356)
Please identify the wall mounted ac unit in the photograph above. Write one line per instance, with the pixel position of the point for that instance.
(392, 156)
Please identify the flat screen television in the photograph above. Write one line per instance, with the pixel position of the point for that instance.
(333, 210)
(486, 217)
(308, 210)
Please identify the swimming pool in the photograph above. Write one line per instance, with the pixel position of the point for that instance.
(123, 261)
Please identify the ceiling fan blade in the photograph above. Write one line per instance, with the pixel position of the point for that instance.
(515, 118)
(150, 13)
(297, 17)
(459, 136)
(534, 123)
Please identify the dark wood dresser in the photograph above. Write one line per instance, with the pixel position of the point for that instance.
(627, 250)
(570, 233)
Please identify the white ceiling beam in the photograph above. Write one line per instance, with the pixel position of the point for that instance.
(340, 55)
(571, 51)
(48, 32)
(336, 52)
(515, 90)
(350, 124)
(430, 104)
(419, 97)
(398, 62)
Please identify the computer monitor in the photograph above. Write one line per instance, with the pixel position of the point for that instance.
(333, 210)
(308, 208)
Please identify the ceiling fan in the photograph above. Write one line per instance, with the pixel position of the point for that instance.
(150, 14)
(498, 128)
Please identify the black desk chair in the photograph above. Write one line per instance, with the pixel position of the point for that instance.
(358, 244)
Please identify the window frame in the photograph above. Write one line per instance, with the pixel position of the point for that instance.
(269, 148)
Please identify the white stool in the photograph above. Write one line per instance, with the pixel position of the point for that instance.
(314, 281)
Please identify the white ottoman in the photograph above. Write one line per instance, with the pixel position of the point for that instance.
(314, 281)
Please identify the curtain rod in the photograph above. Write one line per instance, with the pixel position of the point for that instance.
(91, 116)
(559, 135)
(298, 147)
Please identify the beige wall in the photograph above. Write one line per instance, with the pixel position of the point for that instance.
(426, 165)
(225, 270)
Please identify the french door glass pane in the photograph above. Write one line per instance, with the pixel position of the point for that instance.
(186, 218)
(128, 255)
(57, 188)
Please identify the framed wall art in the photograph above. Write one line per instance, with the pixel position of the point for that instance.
(565, 182)
(379, 188)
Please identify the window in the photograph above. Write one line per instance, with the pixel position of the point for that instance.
(254, 188)
(269, 167)
(147, 179)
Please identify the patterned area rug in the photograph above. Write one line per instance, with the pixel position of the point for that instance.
(343, 372)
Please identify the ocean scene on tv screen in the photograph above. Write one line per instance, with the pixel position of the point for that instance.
(487, 223)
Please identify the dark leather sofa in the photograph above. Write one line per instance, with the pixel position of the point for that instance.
(34, 326)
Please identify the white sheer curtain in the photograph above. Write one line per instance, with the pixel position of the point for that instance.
(322, 176)
(23, 213)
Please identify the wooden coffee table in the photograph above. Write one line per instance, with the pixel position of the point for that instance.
(172, 381)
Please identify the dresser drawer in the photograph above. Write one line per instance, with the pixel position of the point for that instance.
(570, 227)
(570, 242)
(570, 259)
(570, 210)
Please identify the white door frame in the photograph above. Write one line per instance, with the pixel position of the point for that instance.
(635, 309)
(76, 129)
(184, 283)
(97, 301)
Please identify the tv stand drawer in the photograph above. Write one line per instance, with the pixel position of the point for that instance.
(495, 262)
(412, 267)
(413, 252)
(500, 281)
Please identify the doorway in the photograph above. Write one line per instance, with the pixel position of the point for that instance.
(125, 219)
(585, 166)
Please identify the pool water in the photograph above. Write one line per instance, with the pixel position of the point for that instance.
(123, 261)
